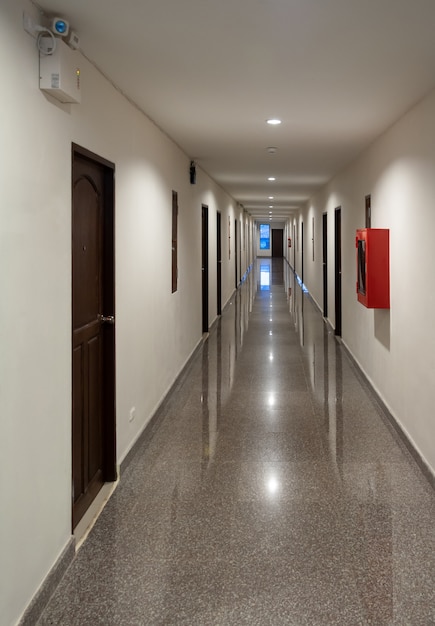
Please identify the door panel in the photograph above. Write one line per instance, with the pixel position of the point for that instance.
(93, 413)
(95, 426)
(77, 422)
(86, 249)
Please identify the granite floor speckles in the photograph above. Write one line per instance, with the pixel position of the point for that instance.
(271, 492)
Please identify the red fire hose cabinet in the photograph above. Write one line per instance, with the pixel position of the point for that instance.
(373, 267)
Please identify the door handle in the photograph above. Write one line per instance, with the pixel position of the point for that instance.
(109, 319)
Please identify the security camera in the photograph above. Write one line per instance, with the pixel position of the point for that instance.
(59, 26)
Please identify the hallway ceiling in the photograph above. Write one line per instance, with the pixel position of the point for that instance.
(336, 72)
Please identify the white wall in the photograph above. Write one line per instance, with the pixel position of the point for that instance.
(395, 348)
(156, 331)
(294, 254)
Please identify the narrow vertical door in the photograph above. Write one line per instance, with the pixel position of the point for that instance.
(337, 229)
(219, 262)
(325, 263)
(204, 268)
(277, 242)
(294, 247)
(93, 432)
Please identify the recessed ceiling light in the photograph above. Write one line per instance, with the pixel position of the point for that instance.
(271, 150)
(271, 197)
(271, 178)
(273, 121)
(270, 206)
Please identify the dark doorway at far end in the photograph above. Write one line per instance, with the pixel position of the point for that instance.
(277, 242)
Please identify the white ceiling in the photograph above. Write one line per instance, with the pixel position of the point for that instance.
(209, 73)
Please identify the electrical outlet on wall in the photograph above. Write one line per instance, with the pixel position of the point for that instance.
(132, 414)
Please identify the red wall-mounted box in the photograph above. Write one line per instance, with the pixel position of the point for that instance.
(373, 267)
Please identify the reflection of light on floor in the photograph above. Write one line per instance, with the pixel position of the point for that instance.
(304, 289)
(264, 277)
(272, 485)
(271, 399)
(271, 357)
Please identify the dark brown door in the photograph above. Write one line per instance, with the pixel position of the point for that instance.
(294, 247)
(219, 262)
(204, 268)
(325, 262)
(337, 229)
(277, 242)
(93, 337)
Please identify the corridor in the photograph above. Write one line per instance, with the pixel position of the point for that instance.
(270, 490)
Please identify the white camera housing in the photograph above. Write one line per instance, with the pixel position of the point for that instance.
(73, 40)
(59, 72)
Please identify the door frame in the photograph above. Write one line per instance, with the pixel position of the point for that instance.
(108, 330)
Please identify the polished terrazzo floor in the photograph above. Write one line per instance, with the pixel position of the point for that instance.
(271, 490)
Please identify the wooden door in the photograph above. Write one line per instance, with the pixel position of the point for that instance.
(325, 262)
(204, 268)
(337, 229)
(277, 242)
(93, 337)
(219, 262)
(294, 247)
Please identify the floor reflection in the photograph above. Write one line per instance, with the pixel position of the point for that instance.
(271, 490)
